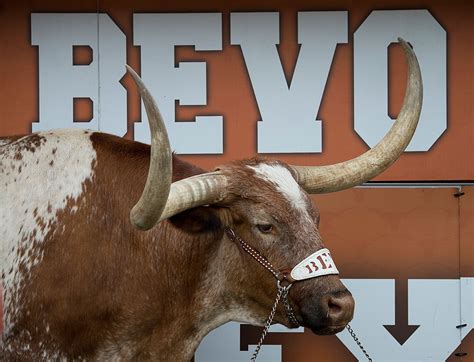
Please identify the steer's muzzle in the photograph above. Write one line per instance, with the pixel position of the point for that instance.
(332, 313)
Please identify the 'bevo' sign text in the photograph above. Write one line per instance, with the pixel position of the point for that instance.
(288, 111)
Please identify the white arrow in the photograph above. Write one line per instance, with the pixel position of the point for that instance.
(434, 304)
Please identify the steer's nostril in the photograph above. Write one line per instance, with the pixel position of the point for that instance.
(333, 307)
(339, 308)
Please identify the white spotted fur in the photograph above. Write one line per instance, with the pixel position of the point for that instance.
(33, 183)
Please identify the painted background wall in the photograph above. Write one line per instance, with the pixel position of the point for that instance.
(311, 82)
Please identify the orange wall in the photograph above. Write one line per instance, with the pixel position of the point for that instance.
(381, 233)
(229, 88)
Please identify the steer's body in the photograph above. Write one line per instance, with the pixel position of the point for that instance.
(79, 279)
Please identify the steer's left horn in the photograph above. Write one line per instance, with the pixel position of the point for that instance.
(322, 179)
(162, 199)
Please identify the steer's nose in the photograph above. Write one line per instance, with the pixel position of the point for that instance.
(338, 308)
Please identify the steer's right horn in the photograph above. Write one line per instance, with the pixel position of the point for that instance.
(322, 179)
(160, 198)
(149, 208)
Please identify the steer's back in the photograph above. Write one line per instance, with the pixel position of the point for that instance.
(39, 175)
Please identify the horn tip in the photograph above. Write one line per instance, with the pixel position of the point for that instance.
(405, 43)
(132, 72)
(129, 69)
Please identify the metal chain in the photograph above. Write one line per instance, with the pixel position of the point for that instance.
(267, 325)
(354, 336)
(286, 303)
(282, 291)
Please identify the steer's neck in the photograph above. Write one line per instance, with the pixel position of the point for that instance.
(183, 298)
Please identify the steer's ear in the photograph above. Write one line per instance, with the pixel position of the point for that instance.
(201, 219)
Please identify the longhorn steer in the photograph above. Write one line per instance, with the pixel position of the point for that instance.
(82, 281)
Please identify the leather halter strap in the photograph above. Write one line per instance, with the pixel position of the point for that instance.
(280, 275)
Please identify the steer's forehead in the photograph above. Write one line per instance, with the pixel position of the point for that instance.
(279, 176)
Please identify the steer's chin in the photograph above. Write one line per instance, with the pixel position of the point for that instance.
(328, 330)
(322, 326)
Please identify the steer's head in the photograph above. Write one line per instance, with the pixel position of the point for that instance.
(266, 204)
(271, 212)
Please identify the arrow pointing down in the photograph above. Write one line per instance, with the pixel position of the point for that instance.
(401, 331)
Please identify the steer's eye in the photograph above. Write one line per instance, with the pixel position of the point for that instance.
(265, 228)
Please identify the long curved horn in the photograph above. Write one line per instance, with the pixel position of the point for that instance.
(160, 198)
(340, 176)
(149, 208)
